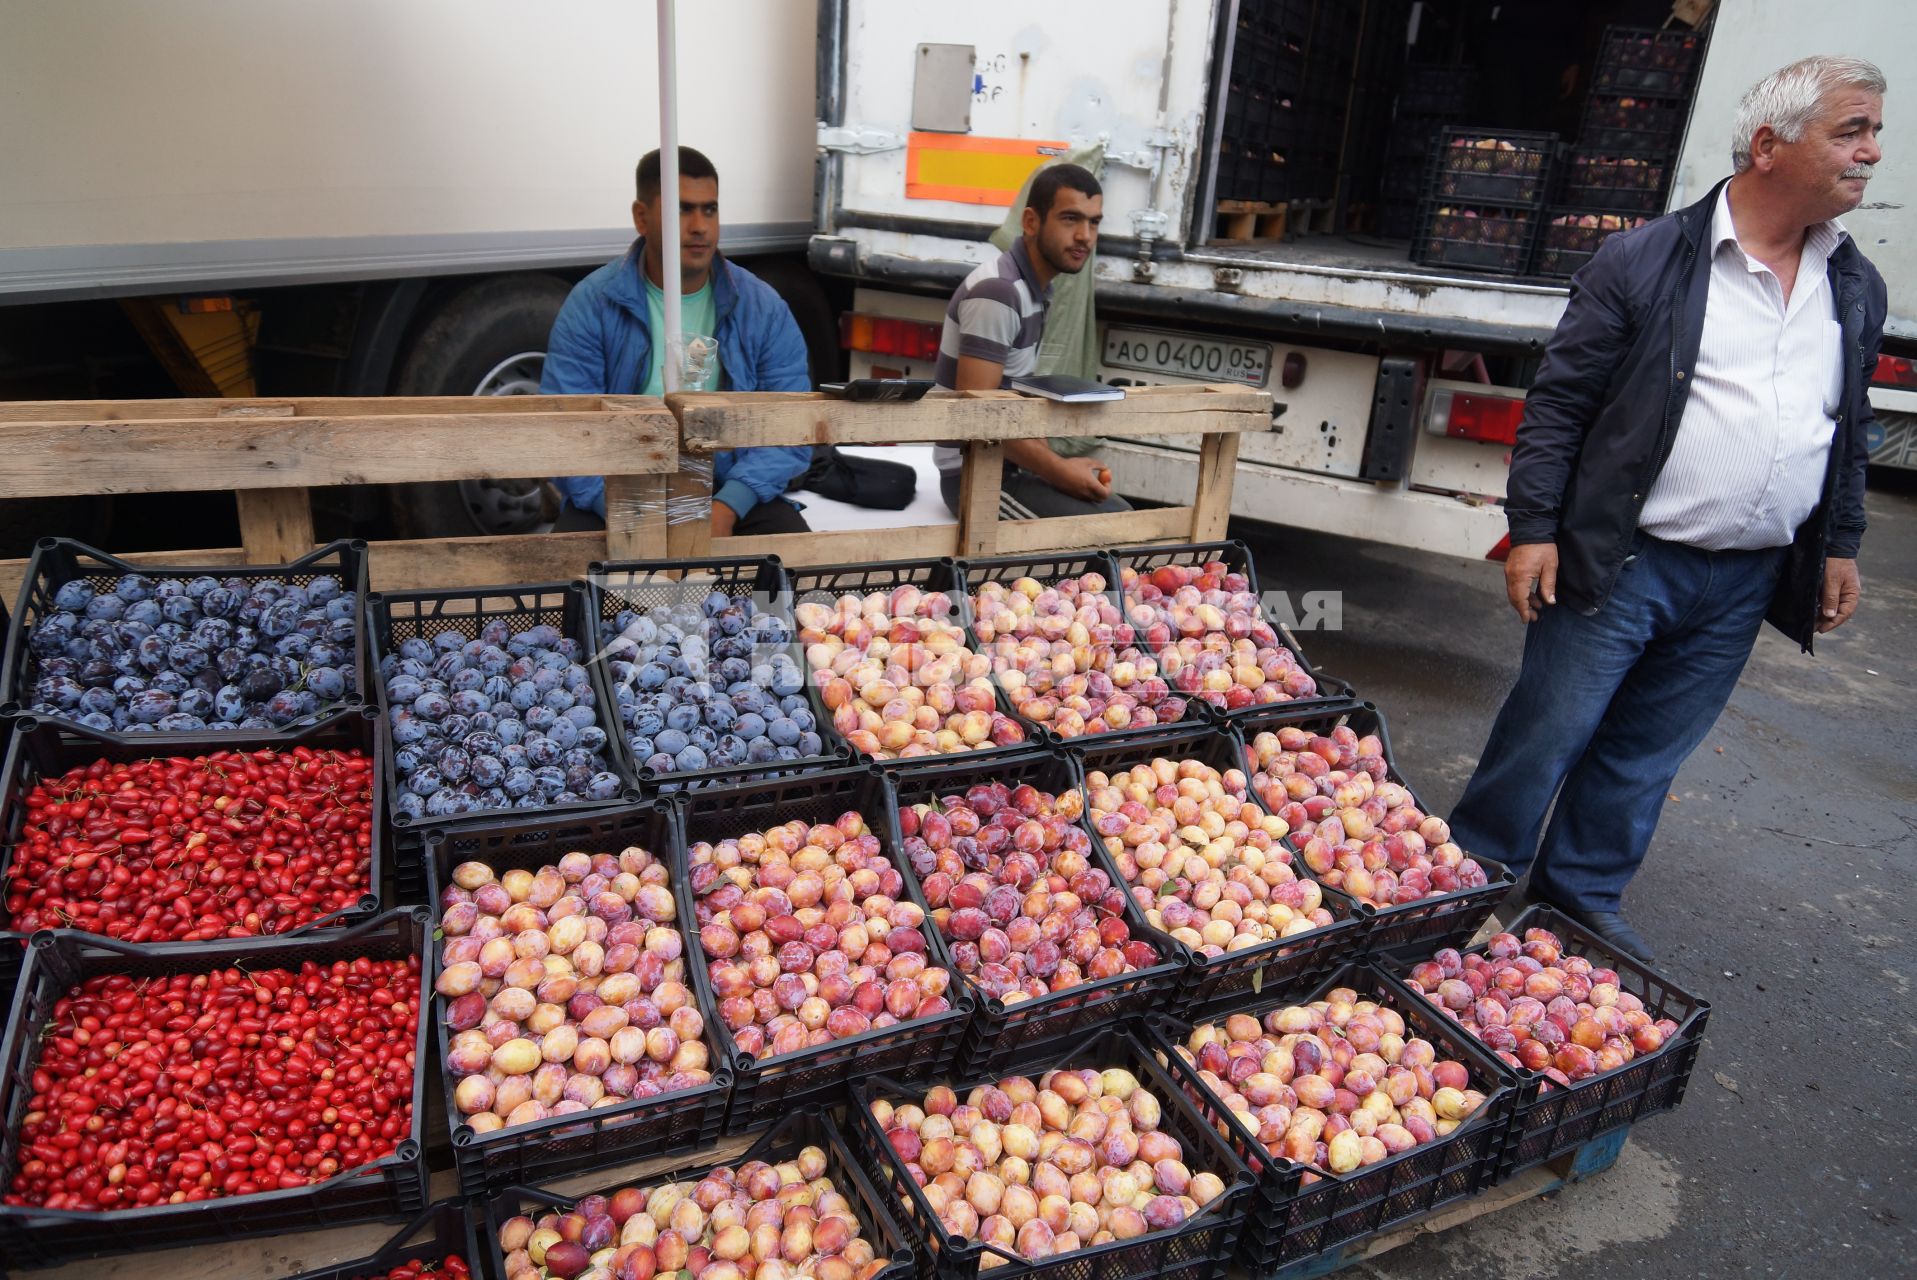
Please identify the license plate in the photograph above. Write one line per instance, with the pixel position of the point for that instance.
(1184, 355)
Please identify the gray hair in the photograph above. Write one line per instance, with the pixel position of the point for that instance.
(1787, 99)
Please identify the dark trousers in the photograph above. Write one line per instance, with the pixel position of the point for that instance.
(1605, 710)
(1023, 496)
(777, 516)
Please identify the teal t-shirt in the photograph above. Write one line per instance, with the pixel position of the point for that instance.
(699, 316)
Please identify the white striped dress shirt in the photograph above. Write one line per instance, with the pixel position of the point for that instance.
(1747, 466)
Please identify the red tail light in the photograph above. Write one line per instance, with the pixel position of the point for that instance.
(889, 336)
(1465, 415)
(1895, 371)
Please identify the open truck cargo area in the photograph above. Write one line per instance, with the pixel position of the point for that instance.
(1371, 209)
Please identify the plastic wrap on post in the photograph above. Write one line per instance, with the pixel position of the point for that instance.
(686, 497)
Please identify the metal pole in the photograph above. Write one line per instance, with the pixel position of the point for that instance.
(668, 229)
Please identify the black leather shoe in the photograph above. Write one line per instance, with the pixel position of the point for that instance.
(1616, 930)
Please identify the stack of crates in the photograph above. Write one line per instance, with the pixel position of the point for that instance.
(1484, 195)
(1617, 173)
(1261, 153)
(1433, 95)
(1374, 83)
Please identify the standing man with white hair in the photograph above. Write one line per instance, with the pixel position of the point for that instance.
(1690, 464)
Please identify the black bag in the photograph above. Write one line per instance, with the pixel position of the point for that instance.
(863, 482)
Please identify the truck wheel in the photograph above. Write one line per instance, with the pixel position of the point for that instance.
(489, 339)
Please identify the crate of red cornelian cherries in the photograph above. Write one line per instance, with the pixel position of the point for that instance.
(138, 842)
(282, 1092)
(1594, 1040)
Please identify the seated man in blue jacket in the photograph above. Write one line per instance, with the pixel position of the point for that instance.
(607, 341)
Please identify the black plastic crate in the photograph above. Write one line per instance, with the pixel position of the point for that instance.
(1565, 243)
(1549, 1120)
(444, 1229)
(1500, 166)
(826, 583)
(1270, 968)
(390, 1188)
(637, 585)
(46, 748)
(1595, 180)
(1201, 1248)
(1632, 122)
(394, 617)
(1474, 237)
(1292, 1220)
(1647, 60)
(565, 1145)
(1447, 919)
(805, 1126)
(1025, 1032)
(1236, 557)
(58, 561)
(1049, 570)
(763, 1088)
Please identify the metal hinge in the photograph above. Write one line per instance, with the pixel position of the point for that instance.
(859, 142)
(1147, 156)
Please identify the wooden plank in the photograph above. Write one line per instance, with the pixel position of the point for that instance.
(713, 421)
(689, 512)
(102, 456)
(276, 525)
(190, 407)
(980, 485)
(636, 517)
(846, 546)
(1104, 529)
(1211, 508)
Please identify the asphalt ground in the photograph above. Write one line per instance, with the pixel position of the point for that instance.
(1777, 889)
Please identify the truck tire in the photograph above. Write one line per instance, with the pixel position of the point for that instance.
(489, 338)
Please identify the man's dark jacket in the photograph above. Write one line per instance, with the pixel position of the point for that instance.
(1600, 419)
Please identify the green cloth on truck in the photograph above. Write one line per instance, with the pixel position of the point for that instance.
(1069, 344)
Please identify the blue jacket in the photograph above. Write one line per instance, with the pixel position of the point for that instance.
(1605, 408)
(601, 343)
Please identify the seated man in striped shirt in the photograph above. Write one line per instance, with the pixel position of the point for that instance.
(992, 330)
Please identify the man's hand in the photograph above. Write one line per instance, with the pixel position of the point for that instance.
(1842, 587)
(1081, 478)
(723, 519)
(1531, 578)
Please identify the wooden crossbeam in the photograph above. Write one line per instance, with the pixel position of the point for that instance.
(261, 446)
(711, 421)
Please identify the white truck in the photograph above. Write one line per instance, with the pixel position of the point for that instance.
(364, 198)
(1397, 384)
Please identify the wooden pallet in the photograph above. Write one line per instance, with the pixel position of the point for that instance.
(1593, 1158)
(1243, 220)
(270, 453)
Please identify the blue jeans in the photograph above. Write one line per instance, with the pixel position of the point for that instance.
(1607, 707)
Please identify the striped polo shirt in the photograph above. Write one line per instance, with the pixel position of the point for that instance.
(998, 314)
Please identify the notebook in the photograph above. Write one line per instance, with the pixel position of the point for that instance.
(1058, 386)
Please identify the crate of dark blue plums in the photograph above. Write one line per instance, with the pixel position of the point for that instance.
(703, 668)
(492, 704)
(128, 651)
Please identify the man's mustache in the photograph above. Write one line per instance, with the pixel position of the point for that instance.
(1860, 171)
